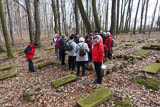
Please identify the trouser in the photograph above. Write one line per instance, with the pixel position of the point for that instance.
(98, 71)
(79, 64)
(60, 56)
(90, 56)
(72, 61)
(57, 52)
(31, 67)
(109, 53)
(63, 57)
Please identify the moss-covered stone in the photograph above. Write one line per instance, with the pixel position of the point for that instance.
(155, 45)
(124, 103)
(37, 60)
(36, 57)
(58, 64)
(6, 67)
(116, 43)
(142, 52)
(151, 47)
(49, 49)
(151, 83)
(64, 80)
(152, 68)
(95, 98)
(130, 43)
(40, 66)
(8, 75)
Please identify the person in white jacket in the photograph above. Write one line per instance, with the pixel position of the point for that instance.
(81, 60)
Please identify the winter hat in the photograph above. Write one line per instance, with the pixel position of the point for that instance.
(108, 33)
(81, 39)
(71, 37)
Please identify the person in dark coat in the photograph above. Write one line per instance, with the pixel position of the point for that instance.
(62, 49)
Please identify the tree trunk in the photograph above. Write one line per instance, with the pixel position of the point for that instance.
(59, 19)
(96, 19)
(84, 17)
(20, 22)
(5, 31)
(106, 27)
(135, 20)
(76, 16)
(30, 22)
(144, 27)
(37, 23)
(153, 17)
(118, 4)
(55, 16)
(142, 11)
(10, 23)
(113, 18)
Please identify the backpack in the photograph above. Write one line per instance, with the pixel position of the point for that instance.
(82, 51)
(69, 47)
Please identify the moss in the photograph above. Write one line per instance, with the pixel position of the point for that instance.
(8, 75)
(142, 52)
(105, 60)
(115, 68)
(64, 80)
(37, 60)
(40, 66)
(153, 84)
(95, 98)
(38, 89)
(36, 57)
(58, 64)
(125, 103)
(130, 43)
(116, 43)
(49, 49)
(155, 45)
(6, 67)
(152, 68)
(27, 97)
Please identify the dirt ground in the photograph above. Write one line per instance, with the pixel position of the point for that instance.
(38, 85)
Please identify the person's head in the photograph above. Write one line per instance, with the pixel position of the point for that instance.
(71, 37)
(56, 35)
(96, 32)
(108, 33)
(63, 36)
(81, 39)
(96, 39)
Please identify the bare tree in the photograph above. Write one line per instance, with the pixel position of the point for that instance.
(145, 21)
(113, 18)
(76, 16)
(59, 19)
(106, 27)
(142, 11)
(118, 4)
(5, 31)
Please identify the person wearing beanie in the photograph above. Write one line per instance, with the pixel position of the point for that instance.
(82, 59)
(97, 57)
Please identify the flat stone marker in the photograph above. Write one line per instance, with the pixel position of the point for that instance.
(142, 52)
(95, 98)
(8, 75)
(155, 45)
(64, 80)
(37, 60)
(5, 67)
(152, 68)
(44, 64)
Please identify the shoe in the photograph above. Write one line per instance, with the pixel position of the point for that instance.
(95, 82)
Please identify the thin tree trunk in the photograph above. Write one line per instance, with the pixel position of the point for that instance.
(76, 17)
(55, 16)
(145, 21)
(113, 18)
(37, 23)
(142, 11)
(20, 22)
(59, 19)
(106, 27)
(5, 31)
(153, 17)
(135, 20)
(84, 17)
(118, 4)
(10, 23)
(30, 22)
(96, 19)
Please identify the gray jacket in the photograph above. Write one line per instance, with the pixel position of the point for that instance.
(74, 46)
(82, 58)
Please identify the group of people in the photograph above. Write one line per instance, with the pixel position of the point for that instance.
(94, 47)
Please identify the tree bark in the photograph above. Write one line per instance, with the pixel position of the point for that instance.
(5, 31)
(10, 23)
(135, 20)
(106, 27)
(118, 4)
(84, 17)
(113, 18)
(142, 11)
(30, 21)
(37, 23)
(76, 17)
(59, 19)
(96, 19)
(144, 27)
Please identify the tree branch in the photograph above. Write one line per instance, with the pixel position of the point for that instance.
(20, 5)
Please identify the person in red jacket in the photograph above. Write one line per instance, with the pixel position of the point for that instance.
(59, 47)
(108, 45)
(29, 51)
(97, 57)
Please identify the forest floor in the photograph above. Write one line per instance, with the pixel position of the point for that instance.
(38, 86)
